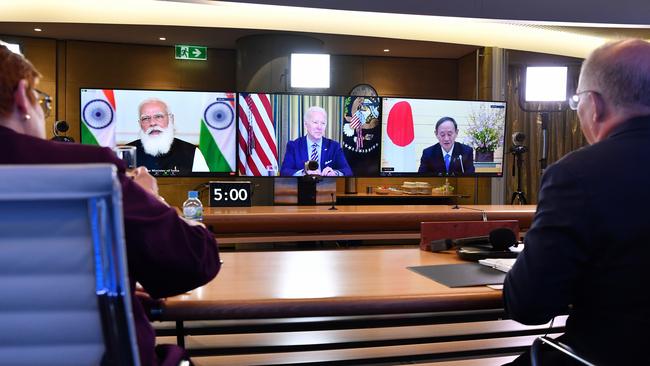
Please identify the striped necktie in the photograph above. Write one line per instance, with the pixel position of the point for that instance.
(314, 152)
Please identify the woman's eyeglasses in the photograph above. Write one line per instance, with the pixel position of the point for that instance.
(45, 101)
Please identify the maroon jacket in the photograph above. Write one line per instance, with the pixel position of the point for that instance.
(166, 256)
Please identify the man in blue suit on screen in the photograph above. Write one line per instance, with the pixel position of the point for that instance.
(447, 157)
(314, 147)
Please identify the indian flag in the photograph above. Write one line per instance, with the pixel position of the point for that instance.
(98, 117)
(218, 134)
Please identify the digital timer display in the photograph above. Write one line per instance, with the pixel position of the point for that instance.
(230, 194)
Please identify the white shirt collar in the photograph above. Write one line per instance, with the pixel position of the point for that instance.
(442, 149)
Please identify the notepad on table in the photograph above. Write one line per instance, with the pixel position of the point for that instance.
(502, 264)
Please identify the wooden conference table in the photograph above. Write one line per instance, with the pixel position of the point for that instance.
(316, 306)
(295, 223)
(339, 306)
(325, 283)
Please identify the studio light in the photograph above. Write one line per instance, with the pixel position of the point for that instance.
(310, 70)
(546, 84)
(13, 47)
(544, 92)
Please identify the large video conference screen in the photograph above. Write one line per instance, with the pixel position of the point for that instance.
(189, 133)
(280, 133)
(428, 137)
(176, 133)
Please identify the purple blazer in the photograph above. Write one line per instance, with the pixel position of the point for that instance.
(165, 255)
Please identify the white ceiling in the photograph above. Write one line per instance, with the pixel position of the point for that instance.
(363, 27)
(225, 38)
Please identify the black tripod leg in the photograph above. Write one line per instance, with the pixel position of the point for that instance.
(520, 197)
(523, 199)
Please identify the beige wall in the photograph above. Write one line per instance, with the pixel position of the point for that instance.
(68, 66)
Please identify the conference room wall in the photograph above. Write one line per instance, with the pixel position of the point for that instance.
(69, 65)
(42, 53)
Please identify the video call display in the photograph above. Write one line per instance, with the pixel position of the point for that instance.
(429, 137)
(177, 133)
(277, 133)
(188, 133)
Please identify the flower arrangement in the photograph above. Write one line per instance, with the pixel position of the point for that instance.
(485, 131)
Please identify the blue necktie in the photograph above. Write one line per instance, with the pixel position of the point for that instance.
(314, 152)
(447, 159)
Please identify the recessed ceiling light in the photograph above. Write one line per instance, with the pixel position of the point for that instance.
(386, 50)
(38, 30)
(162, 38)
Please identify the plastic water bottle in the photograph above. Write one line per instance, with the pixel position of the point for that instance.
(192, 207)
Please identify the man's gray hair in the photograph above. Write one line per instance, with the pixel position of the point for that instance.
(313, 109)
(152, 100)
(620, 71)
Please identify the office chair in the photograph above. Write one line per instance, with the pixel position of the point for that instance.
(63, 271)
(558, 346)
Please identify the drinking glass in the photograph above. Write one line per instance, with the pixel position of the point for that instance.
(128, 155)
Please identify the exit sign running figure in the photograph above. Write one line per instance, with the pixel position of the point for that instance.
(187, 52)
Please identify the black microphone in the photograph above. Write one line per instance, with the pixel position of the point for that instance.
(445, 244)
(503, 238)
(500, 239)
(310, 165)
(483, 213)
(61, 127)
(462, 168)
(333, 203)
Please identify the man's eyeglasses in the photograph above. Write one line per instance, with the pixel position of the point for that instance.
(45, 101)
(575, 98)
(158, 117)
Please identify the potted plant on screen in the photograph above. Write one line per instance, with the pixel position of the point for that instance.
(485, 132)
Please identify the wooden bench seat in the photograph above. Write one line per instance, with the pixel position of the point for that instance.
(372, 355)
(424, 343)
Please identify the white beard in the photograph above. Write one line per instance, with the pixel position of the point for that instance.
(158, 144)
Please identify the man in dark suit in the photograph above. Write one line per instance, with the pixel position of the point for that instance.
(167, 254)
(586, 253)
(447, 157)
(315, 147)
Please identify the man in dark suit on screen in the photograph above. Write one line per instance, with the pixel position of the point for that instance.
(447, 157)
(586, 253)
(315, 147)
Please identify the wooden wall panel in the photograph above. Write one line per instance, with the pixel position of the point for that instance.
(415, 77)
(42, 54)
(68, 66)
(467, 76)
(112, 65)
(347, 72)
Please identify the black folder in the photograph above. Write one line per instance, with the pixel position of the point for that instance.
(461, 275)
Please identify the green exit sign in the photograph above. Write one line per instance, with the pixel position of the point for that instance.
(187, 52)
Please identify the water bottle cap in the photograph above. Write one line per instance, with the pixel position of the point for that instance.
(193, 194)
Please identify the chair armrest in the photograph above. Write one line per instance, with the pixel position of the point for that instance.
(535, 351)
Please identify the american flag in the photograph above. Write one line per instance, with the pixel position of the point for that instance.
(355, 122)
(257, 147)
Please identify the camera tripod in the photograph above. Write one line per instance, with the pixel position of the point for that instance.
(517, 151)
